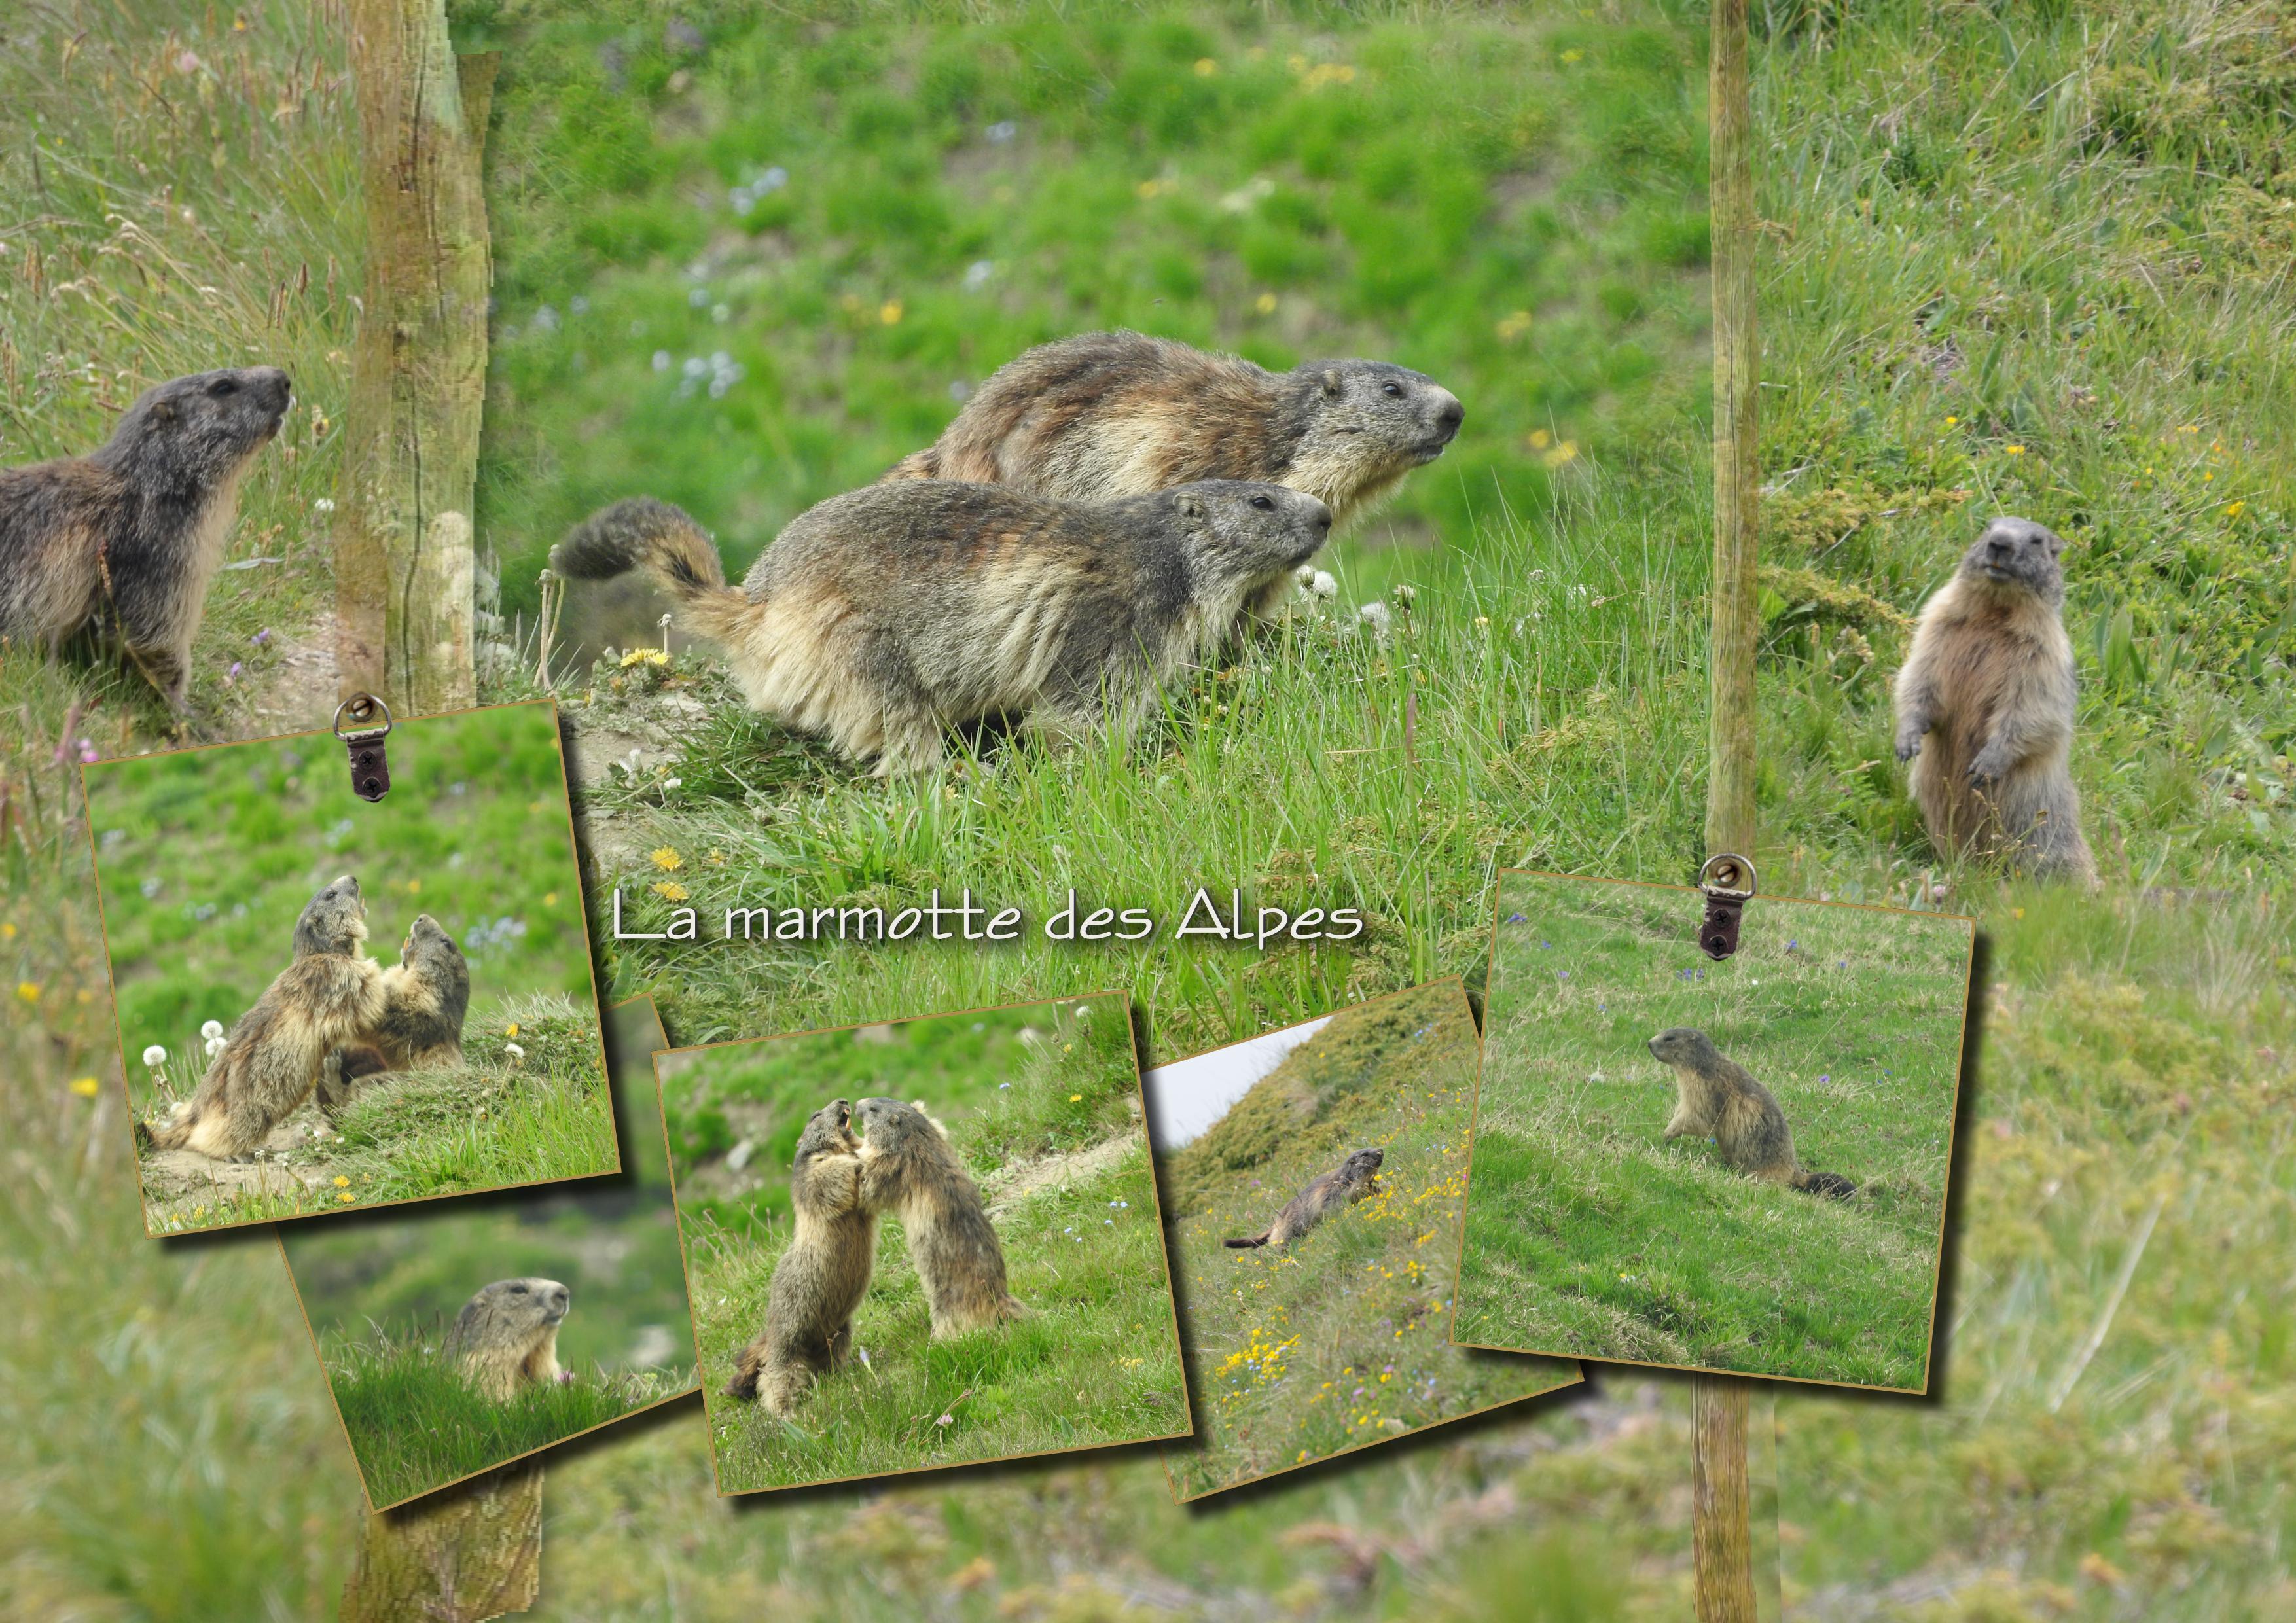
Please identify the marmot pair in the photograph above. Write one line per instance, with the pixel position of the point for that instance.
(1105, 511)
(505, 1338)
(1353, 1179)
(1716, 1097)
(128, 538)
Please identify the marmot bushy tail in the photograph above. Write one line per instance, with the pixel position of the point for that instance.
(641, 533)
(821, 1278)
(1717, 1097)
(908, 1167)
(506, 1336)
(1352, 1180)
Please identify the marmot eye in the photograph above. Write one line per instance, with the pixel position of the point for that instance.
(222, 386)
(1263, 504)
(1392, 390)
(518, 1290)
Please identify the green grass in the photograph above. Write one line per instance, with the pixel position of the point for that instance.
(1339, 1341)
(1042, 1104)
(1588, 1233)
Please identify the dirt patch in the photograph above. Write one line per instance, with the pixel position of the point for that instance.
(299, 692)
(297, 1157)
(1007, 1186)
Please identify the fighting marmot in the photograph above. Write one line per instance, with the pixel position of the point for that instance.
(1352, 1180)
(1986, 704)
(907, 1167)
(887, 615)
(426, 994)
(129, 537)
(506, 1336)
(822, 1276)
(1719, 1097)
(330, 994)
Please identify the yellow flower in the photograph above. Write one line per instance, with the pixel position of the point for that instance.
(347, 1197)
(85, 1086)
(889, 312)
(2014, 450)
(511, 1029)
(1206, 67)
(1950, 422)
(1540, 440)
(29, 990)
(1514, 326)
(1574, 56)
(2233, 510)
(666, 859)
(1076, 1098)
(414, 887)
(1567, 451)
(669, 891)
(550, 898)
(341, 1182)
(1265, 304)
(7, 932)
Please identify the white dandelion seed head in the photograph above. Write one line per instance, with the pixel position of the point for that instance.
(211, 1029)
(155, 1056)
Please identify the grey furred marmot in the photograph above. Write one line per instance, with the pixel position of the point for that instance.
(908, 1169)
(1353, 1179)
(820, 1277)
(1719, 1097)
(1986, 704)
(426, 995)
(128, 537)
(506, 1336)
(886, 616)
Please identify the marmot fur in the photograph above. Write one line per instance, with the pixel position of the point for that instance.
(885, 616)
(822, 1276)
(425, 995)
(1986, 704)
(506, 1336)
(1350, 1181)
(330, 994)
(1719, 1098)
(908, 1167)
(129, 537)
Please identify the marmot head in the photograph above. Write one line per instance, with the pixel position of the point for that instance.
(2017, 555)
(1242, 531)
(202, 428)
(430, 949)
(1363, 1163)
(1397, 417)
(511, 1312)
(826, 1130)
(333, 921)
(1684, 1046)
(889, 1127)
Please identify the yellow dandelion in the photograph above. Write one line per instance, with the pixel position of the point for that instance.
(889, 312)
(341, 1182)
(414, 887)
(1206, 67)
(666, 858)
(2233, 510)
(29, 990)
(347, 1197)
(7, 932)
(2014, 450)
(1952, 422)
(550, 898)
(85, 1086)
(1076, 1098)
(668, 889)
(511, 1029)
(1574, 56)
(1567, 451)
(1265, 304)
(1540, 440)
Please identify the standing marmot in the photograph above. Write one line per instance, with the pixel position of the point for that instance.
(1350, 1181)
(1986, 704)
(506, 1336)
(907, 1166)
(131, 534)
(330, 994)
(425, 995)
(887, 615)
(822, 1276)
(1719, 1097)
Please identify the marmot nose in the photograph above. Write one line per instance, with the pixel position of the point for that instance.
(1323, 518)
(1449, 416)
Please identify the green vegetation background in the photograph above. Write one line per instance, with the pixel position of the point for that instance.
(1342, 1339)
(1589, 1235)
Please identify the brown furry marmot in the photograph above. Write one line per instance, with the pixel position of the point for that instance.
(1352, 1180)
(271, 1060)
(1986, 704)
(426, 995)
(908, 1167)
(128, 538)
(822, 1276)
(884, 616)
(506, 1337)
(1719, 1098)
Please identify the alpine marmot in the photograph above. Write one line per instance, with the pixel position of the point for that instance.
(1718, 1098)
(270, 1063)
(1986, 704)
(505, 1337)
(908, 1169)
(426, 995)
(821, 1278)
(1352, 1180)
(127, 538)
(886, 616)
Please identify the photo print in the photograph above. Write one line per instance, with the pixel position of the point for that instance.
(458, 1338)
(923, 1244)
(327, 1004)
(1736, 1165)
(1313, 1179)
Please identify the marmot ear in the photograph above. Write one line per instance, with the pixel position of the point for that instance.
(163, 411)
(1188, 505)
(2056, 545)
(1332, 382)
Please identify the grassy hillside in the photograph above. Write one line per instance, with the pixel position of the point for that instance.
(1587, 1234)
(1339, 1341)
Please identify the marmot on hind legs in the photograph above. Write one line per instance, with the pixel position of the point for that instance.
(1719, 1097)
(1352, 1180)
(426, 996)
(907, 1167)
(506, 1336)
(820, 1277)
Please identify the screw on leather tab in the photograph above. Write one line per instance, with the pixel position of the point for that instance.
(1728, 883)
(370, 766)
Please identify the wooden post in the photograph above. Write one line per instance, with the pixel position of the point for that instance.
(459, 1556)
(403, 531)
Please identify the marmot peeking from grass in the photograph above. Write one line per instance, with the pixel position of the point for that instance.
(908, 1167)
(821, 1278)
(506, 1337)
(1719, 1098)
(325, 999)
(884, 616)
(1352, 1180)
(426, 995)
(1986, 704)
(129, 537)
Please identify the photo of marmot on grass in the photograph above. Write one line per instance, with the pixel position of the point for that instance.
(271, 1060)
(908, 1169)
(505, 1337)
(1353, 1179)
(822, 1277)
(128, 538)
(884, 618)
(1719, 1098)
(1986, 704)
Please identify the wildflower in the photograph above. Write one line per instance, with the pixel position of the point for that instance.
(347, 1197)
(154, 1056)
(341, 1182)
(261, 637)
(1076, 1098)
(323, 504)
(1574, 56)
(516, 1052)
(1376, 615)
(85, 1086)
(977, 275)
(668, 889)
(2014, 450)
(29, 990)
(2233, 510)
(511, 1029)
(1002, 131)
(1567, 451)
(889, 312)
(666, 858)
(945, 1419)
(550, 898)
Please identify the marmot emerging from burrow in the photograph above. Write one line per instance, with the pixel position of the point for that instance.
(908, 1167)
(426, 995)
(270, 1063)
(1986, 704)
(505, 1337)
(885, 616)
(129, 537)
(822, 1276)
(1719, 1098)
(1352, 1180)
